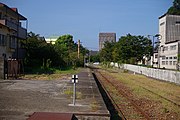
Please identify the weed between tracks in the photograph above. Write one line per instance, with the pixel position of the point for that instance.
(69, 93)
(95, 105)
(147, 93)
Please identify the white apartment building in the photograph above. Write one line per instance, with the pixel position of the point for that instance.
(169, 47)
(51, 39)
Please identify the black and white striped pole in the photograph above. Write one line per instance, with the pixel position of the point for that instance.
(74, 80)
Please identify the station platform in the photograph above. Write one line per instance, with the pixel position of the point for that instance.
(21, 99)
(89, 98)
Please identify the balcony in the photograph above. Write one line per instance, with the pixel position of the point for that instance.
(9, 24)
(22, 32)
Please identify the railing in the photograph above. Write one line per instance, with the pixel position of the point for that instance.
(22, 33)
(11, 25)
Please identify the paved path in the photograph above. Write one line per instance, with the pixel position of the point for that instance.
(20, 98)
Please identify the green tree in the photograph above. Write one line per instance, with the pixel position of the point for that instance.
(176, 4)
(67, 51)
(39, 53)
(63, 48)
(131, 49)
(95, 58)
(175, 9)
(117, 53)
(63, 54)
(106, 52)
(35, 49)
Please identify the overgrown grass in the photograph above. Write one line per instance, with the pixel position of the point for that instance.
(48, 74)
(95, 105)
(142, 85)
(69, 93)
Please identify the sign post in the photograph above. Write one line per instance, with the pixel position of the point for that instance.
(74, 80)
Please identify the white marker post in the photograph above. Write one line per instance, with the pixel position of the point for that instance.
(74, 80)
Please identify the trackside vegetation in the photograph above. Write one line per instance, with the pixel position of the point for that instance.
(42, 57)
(129, 49)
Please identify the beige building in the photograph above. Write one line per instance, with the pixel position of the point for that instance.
(103, 37)
(51, 39)
(11, 32)
(169, 48)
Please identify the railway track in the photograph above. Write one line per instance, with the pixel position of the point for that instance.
(162, 97)
(134, 105)
(127, 107)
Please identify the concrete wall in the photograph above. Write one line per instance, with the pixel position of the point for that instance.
(165, 75)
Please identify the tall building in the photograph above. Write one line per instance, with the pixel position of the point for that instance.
(103, 37)
(11, 32)
(169, 47)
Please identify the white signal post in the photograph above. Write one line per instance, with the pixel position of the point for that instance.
(74, 80)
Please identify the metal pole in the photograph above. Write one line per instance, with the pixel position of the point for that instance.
(159, 49)
(74, 94)
(153, 53)
(159, 54)
(89, 56)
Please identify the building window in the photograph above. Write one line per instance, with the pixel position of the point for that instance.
(175, 57)
(163, 57)
(177, 22)
(166, 48)
(174, 62)
(166, 58)
(156, 56)
(173, 47)
(170, 62)
(12, 43)
(163, 62)
(162, 23)
(2, 40)
(166, 62)
(170, 58)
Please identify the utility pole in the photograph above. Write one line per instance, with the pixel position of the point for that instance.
(89, 55)
(78, 48)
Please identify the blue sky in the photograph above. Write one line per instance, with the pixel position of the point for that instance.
(84, 19)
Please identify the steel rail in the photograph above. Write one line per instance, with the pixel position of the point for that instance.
(130, 100)
(112, 100)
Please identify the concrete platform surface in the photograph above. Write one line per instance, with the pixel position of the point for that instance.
(21, 98)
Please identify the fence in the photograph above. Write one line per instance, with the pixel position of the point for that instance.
(11, 68)
(165, 75)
